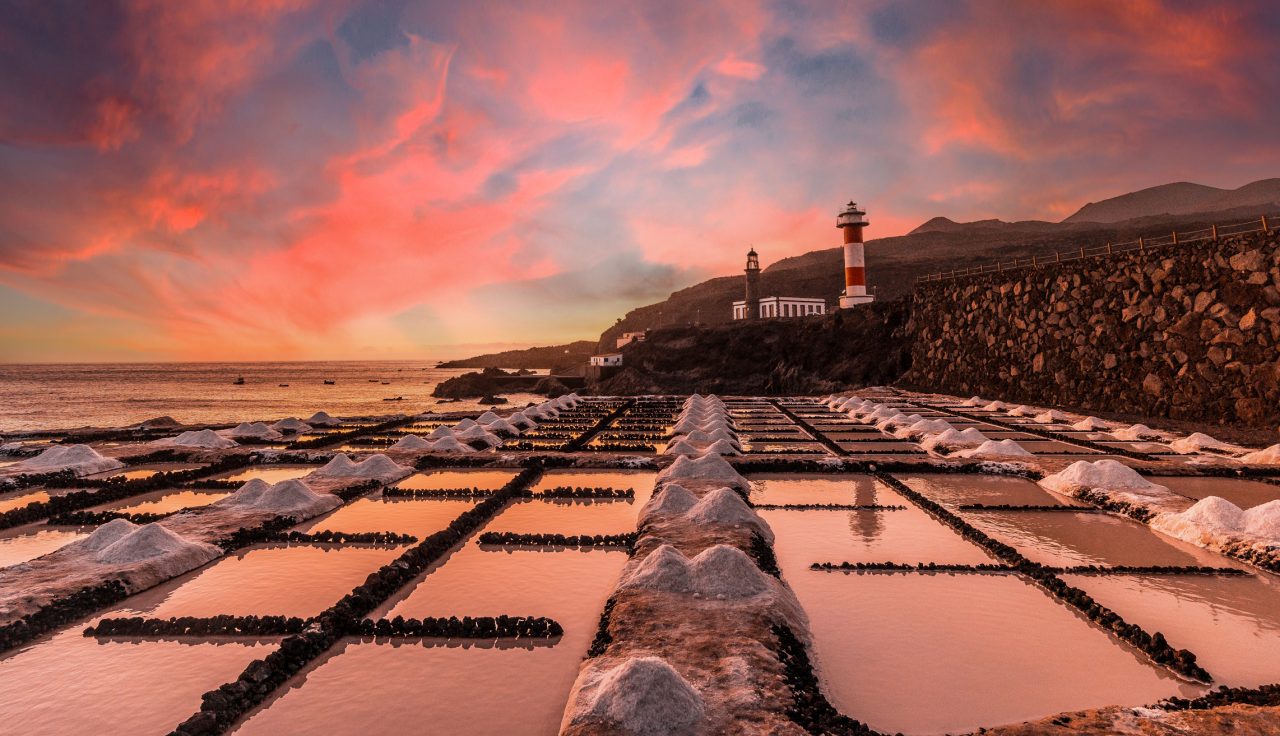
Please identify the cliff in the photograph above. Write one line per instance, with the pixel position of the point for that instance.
(567, 359)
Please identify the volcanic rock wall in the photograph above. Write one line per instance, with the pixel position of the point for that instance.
(1187, 331)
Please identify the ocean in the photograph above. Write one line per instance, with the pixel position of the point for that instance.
(66, 396)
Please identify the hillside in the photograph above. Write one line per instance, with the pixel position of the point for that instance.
(811, 355)
(568, 359)
(1180, 198)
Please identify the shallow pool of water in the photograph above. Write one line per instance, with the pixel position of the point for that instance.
(639, 481)
(402, 515)
(271, 473)
(145, 471)
(1066, 538)
(565, 516)
(18, 499)
(848, 488)
(294, 580)
(881, 448)
(162, 502)
(927, 654)
(426, 686)
(27, 543)
(1243, 492)
(70, 685)
(434, 480)
(1232, 624)
(908, 536)
(957, 489)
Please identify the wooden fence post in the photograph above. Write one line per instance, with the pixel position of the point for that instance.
(1215, 232)
(1265, 229)
(1109, 251)
(1082, 252)
(1142, 246)
(1175, 237)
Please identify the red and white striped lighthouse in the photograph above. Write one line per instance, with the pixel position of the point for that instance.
(855, 272)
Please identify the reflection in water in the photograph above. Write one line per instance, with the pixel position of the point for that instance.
(1242, 492)
(19, 547)
(19, 499)
(163, 502)
(908, 536)
(1056, 538)
(1232, 624)
(949, 653)
(300, 580)
(395, 687)
(435, 480)
(954, 489)
(71, 685)
(375, 689)
(271, 474)
(401, 515)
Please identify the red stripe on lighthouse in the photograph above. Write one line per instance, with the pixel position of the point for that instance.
(855, 276)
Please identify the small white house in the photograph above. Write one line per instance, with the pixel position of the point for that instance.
(608, 359)
(782, 306)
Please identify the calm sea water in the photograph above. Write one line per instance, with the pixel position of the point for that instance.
(65, 396)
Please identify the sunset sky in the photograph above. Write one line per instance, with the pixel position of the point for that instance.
(272, 179)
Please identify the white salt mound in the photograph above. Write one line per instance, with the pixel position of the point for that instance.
(1136, 432)
(1269, 456)
(1021, 411)
(1198, 441)
(996, 406)
(440, 433)
(322, 419)
(673, 499)
(291, 497)
(682, 447)
(477, 433)
(450, 444)
(723, 571)
(154, 540)
(1090, 424)
(79, 459)
(1050, 417)
(1264, 520)
(663, 569)
(465, 424)
(411, 442)
(252, 430)
(487, 417)
(1103, 474)
(106, 535)
(724, 507)
(712, 468)
(205, 439)
(502, 425)
(292, 425)
(375, 467)
(994, 448)
(973, 401)
(645, 696)
(722, 447)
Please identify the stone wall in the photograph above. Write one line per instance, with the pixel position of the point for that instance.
(1186, 332)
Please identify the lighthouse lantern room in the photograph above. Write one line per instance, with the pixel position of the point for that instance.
(851, 221)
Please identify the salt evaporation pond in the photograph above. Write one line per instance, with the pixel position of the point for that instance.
(1062, 538)
(393, 687)
(1243, 492)
(908, 536)
(401, 515)
(960, 488)
(19, 499)
(637, 480)
(436, 480)
(270, 473)
(24, 544)
(1231, 623)
(282, 580)
(163, 502)
(937, 653)
(70, 684)
(145, 471)
(790, 488)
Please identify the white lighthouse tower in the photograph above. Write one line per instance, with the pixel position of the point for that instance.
(855, 272)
